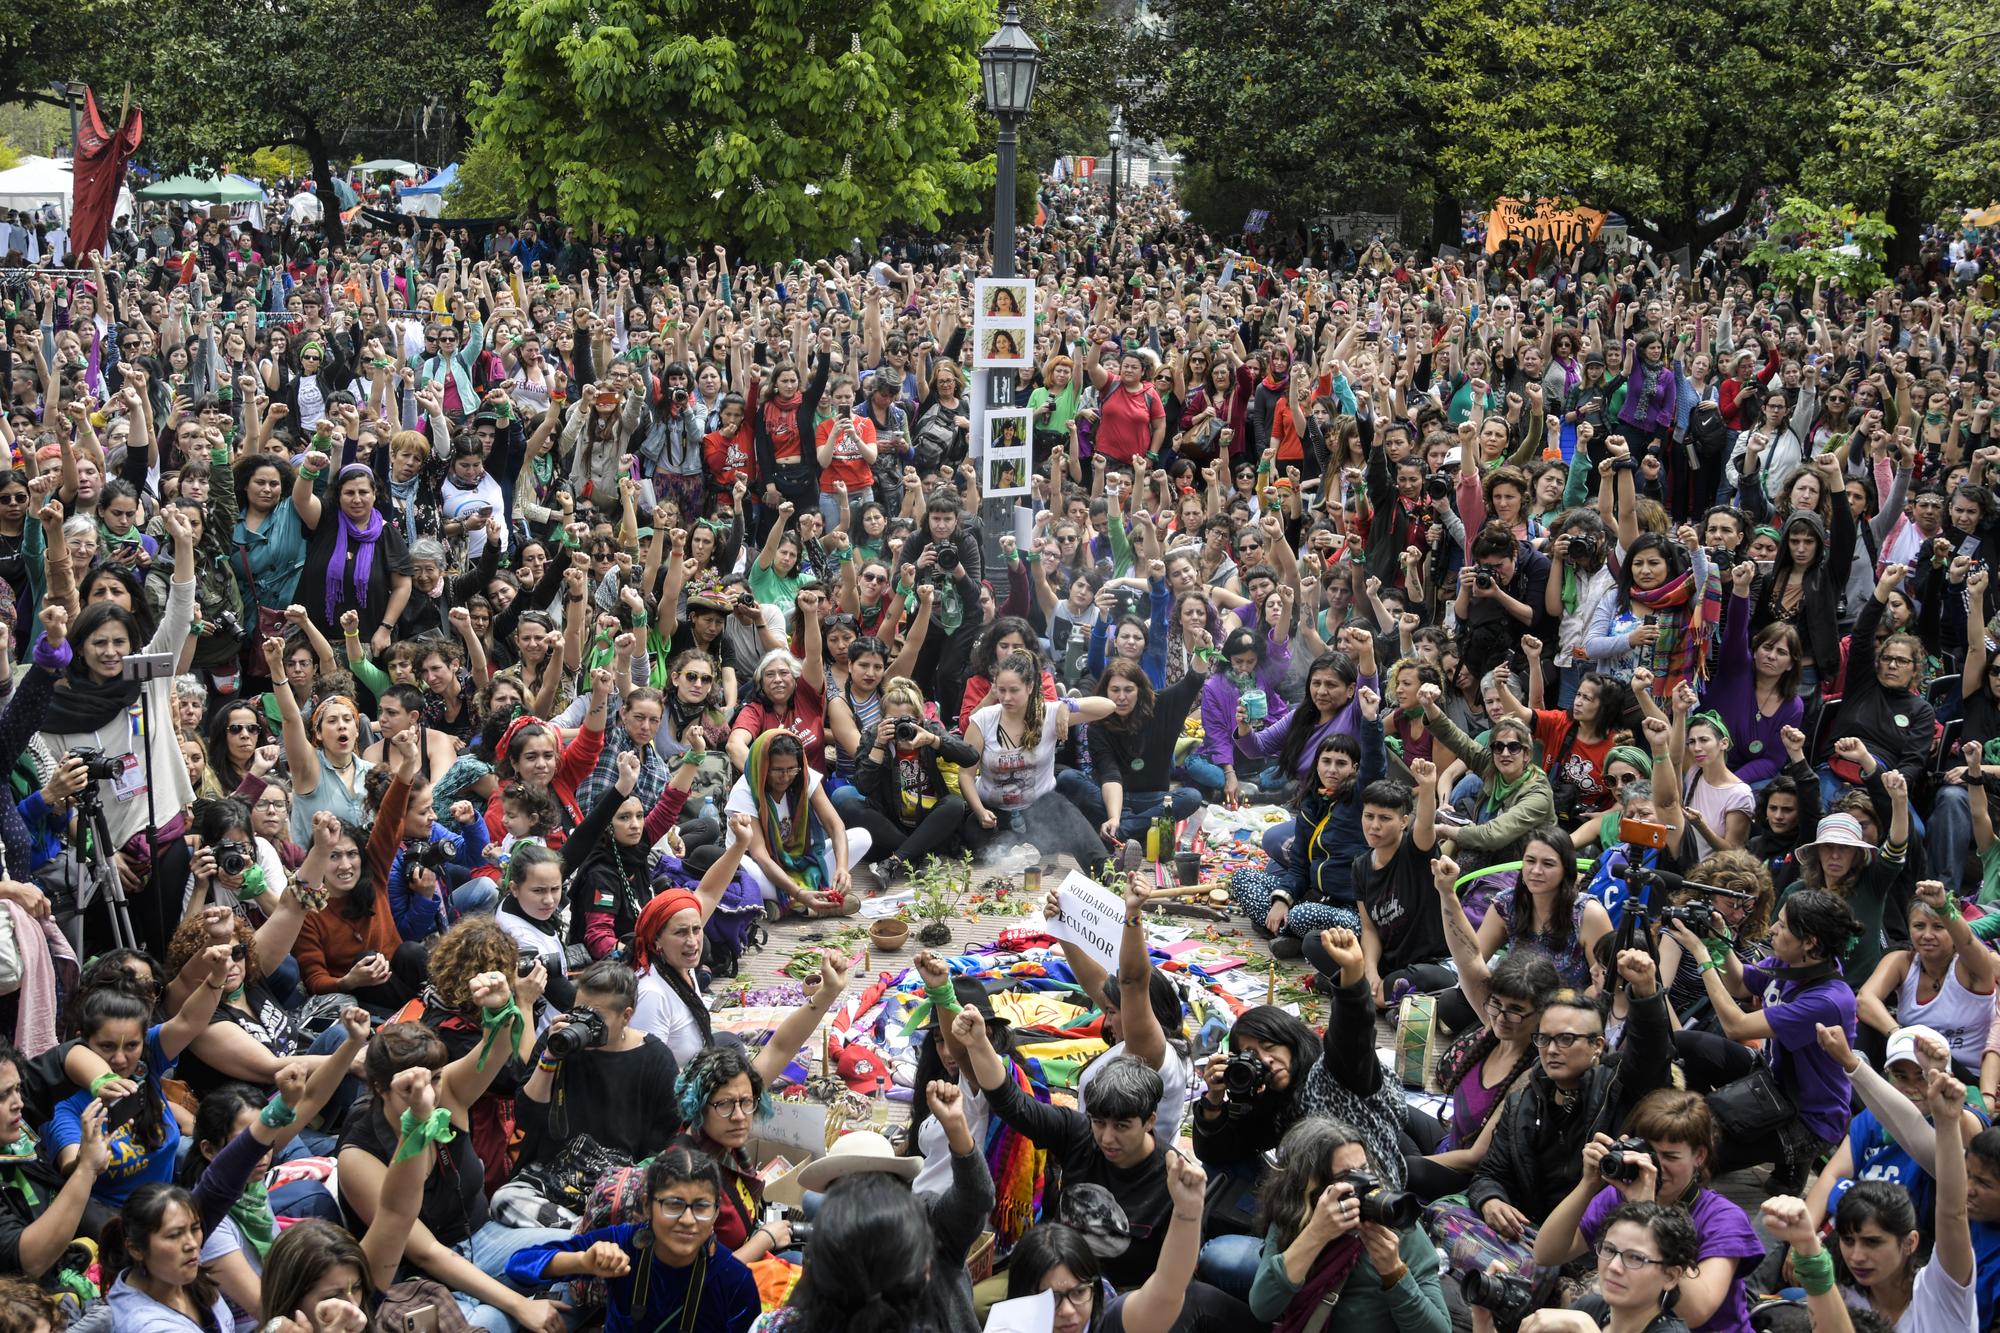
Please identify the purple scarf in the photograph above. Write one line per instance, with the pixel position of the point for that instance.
(364, 561)
(1326, 1277)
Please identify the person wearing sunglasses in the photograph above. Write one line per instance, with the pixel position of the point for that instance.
(1514, 795)
(663, 1269)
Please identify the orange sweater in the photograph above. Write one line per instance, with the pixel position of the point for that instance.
(329, 943)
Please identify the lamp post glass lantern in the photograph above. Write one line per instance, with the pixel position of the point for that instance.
(1116, 135)
(1008, 66)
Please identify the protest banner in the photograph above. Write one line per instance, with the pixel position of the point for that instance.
(1569, 229)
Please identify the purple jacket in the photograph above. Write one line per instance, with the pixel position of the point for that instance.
(1219, 743)
(1266, 744)
(1653, 408)
(1756, 749)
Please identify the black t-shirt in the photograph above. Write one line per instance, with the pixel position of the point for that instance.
(1401, 899)
(269, 1024)
(454, 1199)
(390, 556)
(623, 1099)
(1982, 720)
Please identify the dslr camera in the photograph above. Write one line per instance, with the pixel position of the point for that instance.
(947, 556)
(1695, 916)
(1724, 560)
(1508, 1297)
(1483, 575)
(586, 1032)
(96, 764)
(232, 858)
(1622, 1160)
(1396, 1209)
(906, 730)
(1583, 549)
(433, 854)
(1243, 1077)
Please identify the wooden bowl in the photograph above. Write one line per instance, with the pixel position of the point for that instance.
(889, 933)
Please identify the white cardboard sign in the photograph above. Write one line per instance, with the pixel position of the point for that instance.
(1093, 917)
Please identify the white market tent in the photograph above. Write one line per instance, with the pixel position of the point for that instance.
(427, 200)
(37, 182)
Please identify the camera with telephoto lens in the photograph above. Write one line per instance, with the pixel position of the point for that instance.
(1508, 1297)
(1243, 1077)
(1396, 1209)
(1622, 1160)
(98, 766)
(586, 1031)
(232, 857)
(906, 730)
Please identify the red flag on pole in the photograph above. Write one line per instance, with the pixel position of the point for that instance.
(97, 173)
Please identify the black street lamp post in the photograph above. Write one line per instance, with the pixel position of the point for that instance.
(1117, 137)
(1008, 66)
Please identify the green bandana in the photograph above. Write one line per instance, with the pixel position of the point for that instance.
(434, 1128)
(252, 1214)
(22, 1149)
(507, 1016)
(1630, 754)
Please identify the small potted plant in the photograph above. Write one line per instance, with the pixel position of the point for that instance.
(940, 888)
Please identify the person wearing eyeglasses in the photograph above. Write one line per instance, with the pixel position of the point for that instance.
(1514, 796)
(666, 1271)
(1577, 1090)
(722, 1096)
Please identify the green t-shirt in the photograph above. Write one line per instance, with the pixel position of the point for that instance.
(775, 589)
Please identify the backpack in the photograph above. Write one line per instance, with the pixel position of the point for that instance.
(934, 437)
(1707, 434)
(737, 924)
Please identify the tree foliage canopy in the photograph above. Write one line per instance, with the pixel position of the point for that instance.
(790, 126)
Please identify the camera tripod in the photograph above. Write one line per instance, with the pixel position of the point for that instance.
(97, 873)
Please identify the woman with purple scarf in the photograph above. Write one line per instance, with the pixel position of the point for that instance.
(354, 560)
(1652, 395)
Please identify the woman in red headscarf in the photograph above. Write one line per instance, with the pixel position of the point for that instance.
(531, 751)
(666, 950)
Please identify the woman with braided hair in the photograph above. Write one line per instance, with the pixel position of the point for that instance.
(668, 1271)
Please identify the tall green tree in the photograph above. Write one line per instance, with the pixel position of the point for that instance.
(1303, 107)
(220, 79)
(787, 126)
(1671, 112)
(44, 40)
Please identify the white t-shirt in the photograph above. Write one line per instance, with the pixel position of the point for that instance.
(934, 1177)
(1715, 803)
(665, 1015)
(1174, 1073)
(1010, 777)
(741, 803)
(1937, 1304)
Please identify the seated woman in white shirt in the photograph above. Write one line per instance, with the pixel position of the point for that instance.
(939, 1056)
(1877, 1228)
(666, 952)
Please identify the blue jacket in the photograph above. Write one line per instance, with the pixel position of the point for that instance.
(418, 916)
(1330, 831)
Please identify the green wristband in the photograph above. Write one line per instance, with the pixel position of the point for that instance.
(97, 1084)
(945, 997)
(1814, 1272)
(276, 1114)
(506, 1016)
(434, 1128)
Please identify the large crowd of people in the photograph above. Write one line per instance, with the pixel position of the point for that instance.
(432, 660)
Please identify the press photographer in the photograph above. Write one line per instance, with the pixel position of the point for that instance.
(600, 1086)
(1336, 1233)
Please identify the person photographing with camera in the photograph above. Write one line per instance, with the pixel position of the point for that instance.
(1337, 1236)
(1662, 1157)
(597, 1075)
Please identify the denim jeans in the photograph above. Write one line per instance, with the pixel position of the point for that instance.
(1230, 1262)
(488, 1250)
(829, 504)
(1949, 837)
(476, 897)
(1142, 808)
(1208, 775)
